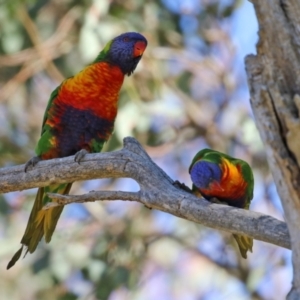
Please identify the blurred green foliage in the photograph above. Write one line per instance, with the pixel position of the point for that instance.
(188, 92)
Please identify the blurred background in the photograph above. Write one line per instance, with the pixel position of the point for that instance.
(188, 92)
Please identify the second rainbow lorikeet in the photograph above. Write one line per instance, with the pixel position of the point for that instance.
(221, 178)
(79, 119)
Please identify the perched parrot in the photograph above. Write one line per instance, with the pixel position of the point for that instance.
(79, 119)
(223, 179)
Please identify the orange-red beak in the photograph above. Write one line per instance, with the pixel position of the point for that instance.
(139, 48)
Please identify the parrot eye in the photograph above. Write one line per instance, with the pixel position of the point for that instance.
(126, 39)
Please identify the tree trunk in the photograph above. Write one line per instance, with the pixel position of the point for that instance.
(274, 82)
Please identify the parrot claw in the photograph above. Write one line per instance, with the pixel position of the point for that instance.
(32, 162)
(182, 186)
(217, 201)
(80, 155)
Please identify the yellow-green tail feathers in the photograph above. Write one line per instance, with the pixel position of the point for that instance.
(245, 244)
(41, 222)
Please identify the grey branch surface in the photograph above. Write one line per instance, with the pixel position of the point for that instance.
(157, 191)
(274, 82)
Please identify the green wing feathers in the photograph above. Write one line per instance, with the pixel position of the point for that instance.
(248, 176)
(53, 95)
(41, 222)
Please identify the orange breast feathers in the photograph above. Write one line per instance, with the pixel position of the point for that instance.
(232, 182)
(95, 88)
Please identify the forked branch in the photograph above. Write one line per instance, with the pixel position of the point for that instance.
(157, 191)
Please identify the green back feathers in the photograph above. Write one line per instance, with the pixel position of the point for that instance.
(209, 155)
(53, 95)
(103, 54)
(248, 177)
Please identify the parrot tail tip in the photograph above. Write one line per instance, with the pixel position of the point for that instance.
(15, 258)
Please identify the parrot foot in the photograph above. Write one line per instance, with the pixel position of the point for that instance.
(32, 162)
(182, 186)
(217, 201)
(80, 155)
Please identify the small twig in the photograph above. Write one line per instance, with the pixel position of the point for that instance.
(52, 44)
(30, 57)
(91, 197)
(44, 54)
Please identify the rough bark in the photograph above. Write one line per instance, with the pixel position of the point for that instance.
(274, 81)
(157, 191)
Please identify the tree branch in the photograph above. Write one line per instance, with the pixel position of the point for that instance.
(92, 197)
(157, 191)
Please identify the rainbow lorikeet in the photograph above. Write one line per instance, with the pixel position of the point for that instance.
(79, 119)
(223, 179)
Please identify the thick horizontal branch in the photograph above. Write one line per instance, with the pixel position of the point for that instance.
(157, 191)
